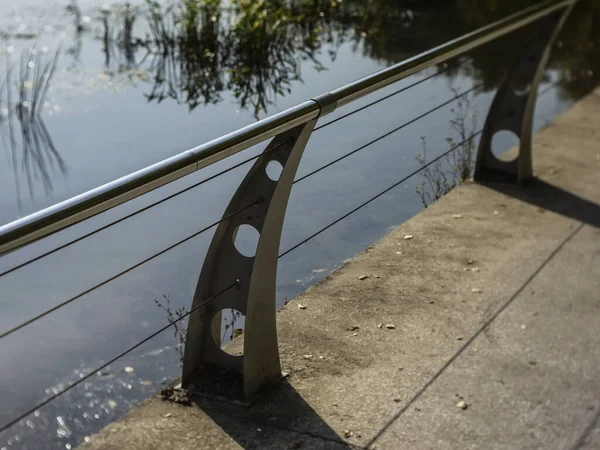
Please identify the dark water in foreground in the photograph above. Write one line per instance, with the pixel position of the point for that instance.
(89, 94)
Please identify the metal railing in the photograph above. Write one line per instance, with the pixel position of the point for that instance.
(247, 283)
(95, 201)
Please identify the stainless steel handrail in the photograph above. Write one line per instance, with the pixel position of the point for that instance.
(50, 220)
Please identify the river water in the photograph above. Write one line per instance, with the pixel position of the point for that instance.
(94, 90)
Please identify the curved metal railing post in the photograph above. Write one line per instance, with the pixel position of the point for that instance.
(513, 107)
(255, 275)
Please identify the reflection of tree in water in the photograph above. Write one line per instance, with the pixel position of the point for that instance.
(576, 56)
(186, 63)
(197, 49)
(254, 50)
(23, 133)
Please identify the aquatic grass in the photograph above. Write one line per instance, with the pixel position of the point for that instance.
(456, 168)
(34, 153)
(187, 45)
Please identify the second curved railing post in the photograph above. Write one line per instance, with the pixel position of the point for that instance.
(513, 107)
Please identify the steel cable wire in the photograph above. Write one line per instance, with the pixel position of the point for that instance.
(113, 360)
(542, 93)
(399, 91)
(389, 133)
(549, 88)
(455, 147)
(128, 216)
(123, 272)
(112, 278)
(412, 174)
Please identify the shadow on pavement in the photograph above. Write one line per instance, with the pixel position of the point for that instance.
(552, 198)
(279, 419)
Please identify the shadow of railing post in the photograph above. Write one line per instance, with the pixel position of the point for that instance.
(552, 198)
(282, 416)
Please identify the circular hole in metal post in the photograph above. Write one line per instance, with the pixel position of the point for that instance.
(274, 169)
(521, 82)
(505, 145)
(521, 88)
(245, 240)
(229, 325)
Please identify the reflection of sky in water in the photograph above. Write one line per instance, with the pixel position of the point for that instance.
(105, 128)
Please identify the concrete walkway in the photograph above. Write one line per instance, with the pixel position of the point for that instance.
(481, 331)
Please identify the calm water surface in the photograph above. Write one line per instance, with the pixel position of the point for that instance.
(94, 91)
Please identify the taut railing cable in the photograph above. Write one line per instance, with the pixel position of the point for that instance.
(548, 88)
(388, 189)
(403, 180)
(129, 216)
(121, 273)
(53, 397)
(118, 275)
(379, 100)
(389, 133)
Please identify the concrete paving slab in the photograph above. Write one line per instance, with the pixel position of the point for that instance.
(529, 379)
